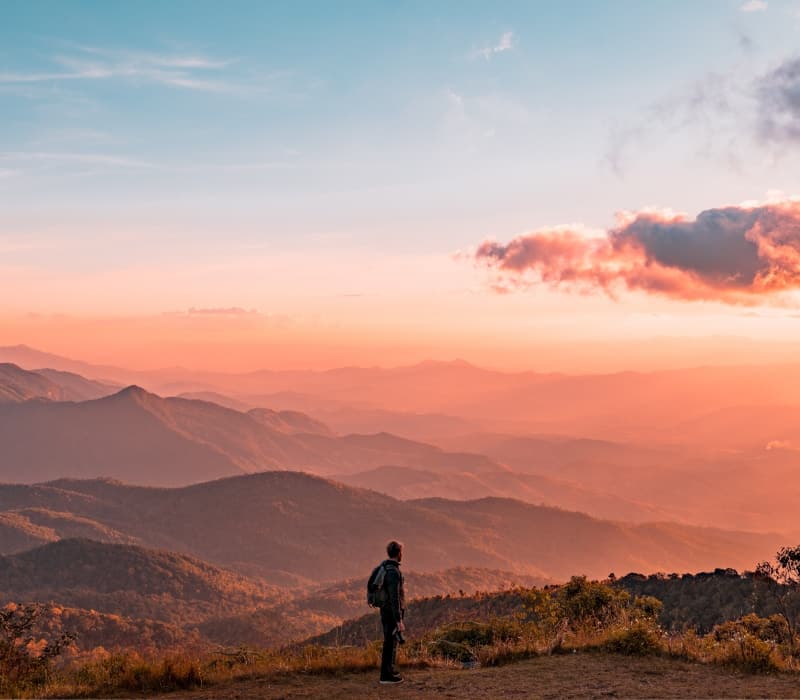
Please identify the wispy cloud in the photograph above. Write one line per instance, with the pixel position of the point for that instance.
(505, 43)
(754, 6)
(88, 63)
(56, 158)
(703, 105)
(729, 108)
(778, 99)
(222, 311)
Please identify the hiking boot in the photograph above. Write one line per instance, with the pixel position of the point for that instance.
(391, 680)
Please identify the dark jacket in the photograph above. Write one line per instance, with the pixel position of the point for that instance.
(396, 594)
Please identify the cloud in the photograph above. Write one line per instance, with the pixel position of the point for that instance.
(231, 316)
(735, 255)
(222, 311)
(778, 99)
(55, 158)
(754, 6)
(780, 445)
(725, 110)
(93, 63)
(505, 43)
(703, 105)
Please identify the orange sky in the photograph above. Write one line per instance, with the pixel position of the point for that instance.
(323, 309)
(236, 340)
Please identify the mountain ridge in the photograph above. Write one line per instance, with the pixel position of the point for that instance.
(280, 525)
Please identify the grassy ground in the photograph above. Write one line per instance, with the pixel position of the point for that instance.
(579, 675)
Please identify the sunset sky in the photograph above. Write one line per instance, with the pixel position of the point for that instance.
(256, 184)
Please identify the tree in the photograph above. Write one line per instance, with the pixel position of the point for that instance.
(24, 658)
(781, 581)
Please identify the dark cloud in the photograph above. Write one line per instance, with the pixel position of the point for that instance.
(714, 246)
(736, 255)
(778, 95)
(723, 111)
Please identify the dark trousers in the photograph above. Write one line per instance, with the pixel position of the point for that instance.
(389, 643)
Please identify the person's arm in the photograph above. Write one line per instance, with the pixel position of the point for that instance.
(393, 590)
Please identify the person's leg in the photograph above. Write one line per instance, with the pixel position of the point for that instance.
(389, 645)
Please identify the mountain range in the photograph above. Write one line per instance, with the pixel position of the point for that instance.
(130, 580)
(646, 407)
(296, 529)
(141, 437)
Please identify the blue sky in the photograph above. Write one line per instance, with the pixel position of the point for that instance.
(146, 135)
(277, 105)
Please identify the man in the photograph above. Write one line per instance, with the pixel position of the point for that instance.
(392, 613)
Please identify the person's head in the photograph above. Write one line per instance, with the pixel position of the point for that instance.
(395, 550)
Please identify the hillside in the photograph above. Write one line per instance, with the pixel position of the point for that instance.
(289, 422)
(27, 528)
(129, 581)
(79, 388)
(143, 438)
(613, 406)
(281, 525)
(327, 607)
(702, 600)
(407, 483)
(95, 631)
(690, 601)
(17, 384)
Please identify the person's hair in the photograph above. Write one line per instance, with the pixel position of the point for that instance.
(393, 549)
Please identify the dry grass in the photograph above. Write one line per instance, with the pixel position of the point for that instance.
(574, 675)
(616, 638)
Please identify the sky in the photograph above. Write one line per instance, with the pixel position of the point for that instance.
(246, 184)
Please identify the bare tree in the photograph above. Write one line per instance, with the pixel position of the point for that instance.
(781, 581)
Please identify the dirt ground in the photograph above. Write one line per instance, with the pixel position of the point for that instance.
(572, 676)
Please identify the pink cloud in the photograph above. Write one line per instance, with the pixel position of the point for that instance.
(735, 255)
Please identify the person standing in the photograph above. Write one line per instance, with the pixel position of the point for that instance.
(393, 611)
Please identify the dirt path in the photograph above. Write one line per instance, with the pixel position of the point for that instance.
(574, 676)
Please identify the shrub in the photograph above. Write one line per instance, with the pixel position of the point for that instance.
(752, 642)
(583, 602)
(25, 657)
(452, 651)
(750, 654)
(480, 633)
(640, 639)
(773, 629)
(472, 641)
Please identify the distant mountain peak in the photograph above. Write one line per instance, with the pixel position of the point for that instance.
(133, 391)
(458, 362)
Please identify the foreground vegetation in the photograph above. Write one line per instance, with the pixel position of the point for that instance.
(580, 616)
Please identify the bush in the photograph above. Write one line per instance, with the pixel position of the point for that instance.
(773, 629)
(641, 639)
(752, 642)
(590, 603)
(452, 651)
(750, 654)
(473, 641)
(25, 656)
(480, 633)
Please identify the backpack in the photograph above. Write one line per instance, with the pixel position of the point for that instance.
(376, 591)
